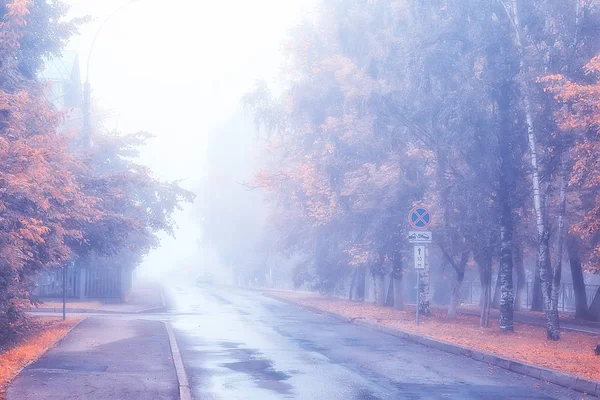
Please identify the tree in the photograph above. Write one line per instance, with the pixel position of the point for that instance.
(389, 104)
(54, 202)
(132, 205)
(578, 116)
(42, 205)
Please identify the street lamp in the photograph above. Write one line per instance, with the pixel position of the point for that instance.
(87, 91)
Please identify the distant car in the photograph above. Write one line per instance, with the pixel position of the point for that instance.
(207, 279)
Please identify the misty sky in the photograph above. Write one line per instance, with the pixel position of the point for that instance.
(177, 70)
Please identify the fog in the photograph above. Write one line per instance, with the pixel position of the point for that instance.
(157, 67)
(308, 181)
(312, 199)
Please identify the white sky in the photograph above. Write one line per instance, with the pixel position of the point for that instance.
(177, 69)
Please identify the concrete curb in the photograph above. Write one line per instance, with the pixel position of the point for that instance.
(69, 310)
(155, 309)
(151, 310)
(315, 310)
(574, 382)
(52, 345)
(184, 385)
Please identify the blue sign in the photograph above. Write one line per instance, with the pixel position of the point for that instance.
(419, 218)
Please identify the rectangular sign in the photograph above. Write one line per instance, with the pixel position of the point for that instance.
(419, 257)
(420, 237)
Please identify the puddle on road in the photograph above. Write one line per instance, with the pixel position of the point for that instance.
(259, 369)
(230, 345)
(221, 299)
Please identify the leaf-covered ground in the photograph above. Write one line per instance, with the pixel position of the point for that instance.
(573, 353)
(31, 347)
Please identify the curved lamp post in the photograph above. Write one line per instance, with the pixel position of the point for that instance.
(87, 123)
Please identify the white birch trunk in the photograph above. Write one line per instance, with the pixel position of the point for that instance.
(543, 257)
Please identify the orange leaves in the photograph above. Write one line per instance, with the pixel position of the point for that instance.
(33, 230)
(40, 197)
(593, 66)
(360, 256)
(579, 115)
(29, 349)
(10, 27)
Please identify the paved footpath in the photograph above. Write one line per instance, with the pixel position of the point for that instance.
(104, 358)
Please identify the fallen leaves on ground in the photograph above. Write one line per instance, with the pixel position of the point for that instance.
(31, 347)
(573, 353)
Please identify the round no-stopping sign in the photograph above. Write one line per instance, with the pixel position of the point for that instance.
(419, 218)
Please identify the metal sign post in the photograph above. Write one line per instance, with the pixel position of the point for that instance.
(419, 265)
(419, 219)
(418, 297)
(64, 284)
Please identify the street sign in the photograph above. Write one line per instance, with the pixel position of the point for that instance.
(419, 257)
(419, 218)
(420, 237)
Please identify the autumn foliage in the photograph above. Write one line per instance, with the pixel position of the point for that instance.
(486, 111)
(579, 116)
(58, 202)
(43, 334)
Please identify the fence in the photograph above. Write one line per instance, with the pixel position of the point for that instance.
(51, 283)
(97, 283)
(471, 292)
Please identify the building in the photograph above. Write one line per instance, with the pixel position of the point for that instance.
(63, 88)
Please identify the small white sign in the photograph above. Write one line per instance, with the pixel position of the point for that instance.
(419, 257)
(420, 237)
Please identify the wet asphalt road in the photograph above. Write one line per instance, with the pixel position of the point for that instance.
(239, 344)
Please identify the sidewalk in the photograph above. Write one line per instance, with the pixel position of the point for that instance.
(103, 359)
(144, 297)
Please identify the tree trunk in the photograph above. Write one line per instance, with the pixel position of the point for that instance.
(594, 311)
(397, 272)
(424, 287)
(389, 298)
(379, 284)
(504, 296)
(484, 261)
(537, 303)
(486, 291)
(581, 306)
(506, 278)
(455, 299)
(557, 269)
(521, 280)
(495, 299)
(361, 283)
(398, 294)
(552, 328)
(351, 294)
(378, 273)
(543, 258)
(459, 269)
